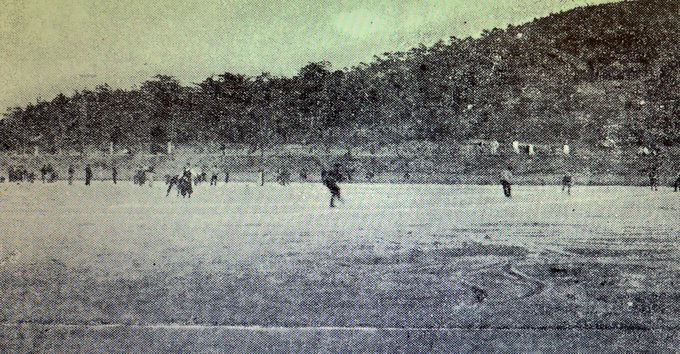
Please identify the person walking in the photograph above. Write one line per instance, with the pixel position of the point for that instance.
(330, 179)
(43, 173)
(88, 175)
(71, 171)
(506, 180)
(114, 174)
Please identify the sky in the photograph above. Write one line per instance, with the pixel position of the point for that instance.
(52, 46)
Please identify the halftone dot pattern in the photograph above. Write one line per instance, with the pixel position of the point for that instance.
(440, 243)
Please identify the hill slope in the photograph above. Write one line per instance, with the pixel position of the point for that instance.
(600, 74)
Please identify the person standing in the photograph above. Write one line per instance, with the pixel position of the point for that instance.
(226, 176)
(71, 171)
(676, 185)
(566, 182)
(114, 174)
(654, 179)
(88, 175)
(330, 180)
(506, 181)
(43, 173)
(213, 177)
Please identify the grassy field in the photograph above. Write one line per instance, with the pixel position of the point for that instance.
(397, 267)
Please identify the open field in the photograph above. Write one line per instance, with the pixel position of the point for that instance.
(240, 267)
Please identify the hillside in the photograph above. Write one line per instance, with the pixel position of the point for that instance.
(602, 75)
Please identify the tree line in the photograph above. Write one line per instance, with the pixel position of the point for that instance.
(586, 75)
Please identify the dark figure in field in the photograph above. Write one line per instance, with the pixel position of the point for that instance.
(30, 177)
(204, 176)
(261, 177)
(51, 179)
(676, 184)
(15, 174)
(199, 178)
(506, 181)
(654, 179)
(2, 179)
(226, 177)
(172, 182)
(139, 178)
(566, 183)
(213, 179)
(11, 174)
(330, 179)
(407, 176)
(283, 177)
(71, 171)
(370, 175)
(43, 173)
(187, 174)
(114, 174)
(184, 185)
(303, 174)
(88, 175)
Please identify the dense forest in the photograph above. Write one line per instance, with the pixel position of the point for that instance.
(604, 75)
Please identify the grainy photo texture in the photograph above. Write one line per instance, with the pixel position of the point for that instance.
(339, 176)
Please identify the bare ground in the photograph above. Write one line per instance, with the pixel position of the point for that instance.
(395, 268)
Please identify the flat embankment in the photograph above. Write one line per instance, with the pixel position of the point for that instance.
(240, 267)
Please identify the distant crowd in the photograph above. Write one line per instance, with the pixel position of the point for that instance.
(190, 177)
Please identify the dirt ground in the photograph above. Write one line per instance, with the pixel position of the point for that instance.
(244, 268)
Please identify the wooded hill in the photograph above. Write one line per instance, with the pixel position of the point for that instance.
(604, 75)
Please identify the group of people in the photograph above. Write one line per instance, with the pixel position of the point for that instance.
(330, 178)
(183, 183)
(20, 174)
(654, 180)
(48, 174)
(506, 180)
